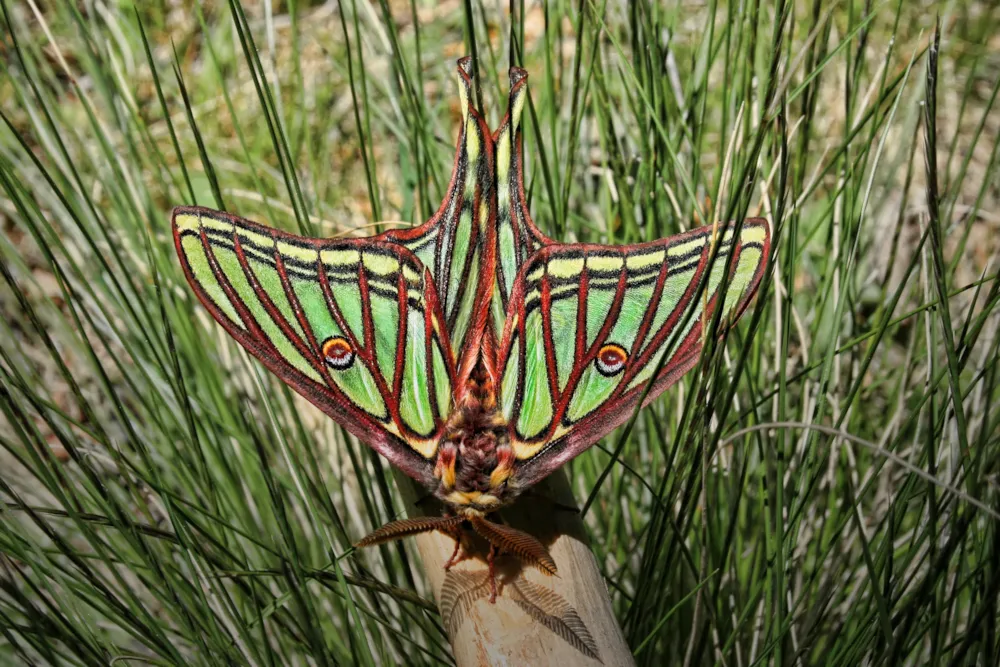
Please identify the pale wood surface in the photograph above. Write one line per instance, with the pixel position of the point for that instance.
(537, 619)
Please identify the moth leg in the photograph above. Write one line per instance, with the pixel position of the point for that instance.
(454, 560)
(493, 576)
(459, 554)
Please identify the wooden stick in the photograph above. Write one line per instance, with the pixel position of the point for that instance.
(560, 620)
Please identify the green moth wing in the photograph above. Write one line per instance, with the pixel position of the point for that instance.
(354, 325)
(455, 244)
(588, 325)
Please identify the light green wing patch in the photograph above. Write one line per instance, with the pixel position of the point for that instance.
(326, 317)
(638, 305)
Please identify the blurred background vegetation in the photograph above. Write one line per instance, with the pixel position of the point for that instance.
(164, 500)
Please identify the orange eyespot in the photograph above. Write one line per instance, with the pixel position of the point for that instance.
(338, 353)
(611, 359)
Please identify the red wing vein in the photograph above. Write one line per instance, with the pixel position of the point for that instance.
(660, 337)
(581, 313)
(293, 300)
(367, 330)
(246, 316)
(403, 304)
(522, 362)
(550, 353)
(333, 307)
(370, 357)
(283, 324)
(455, 308)
(648, 315)
(602, 335)
(429, 357)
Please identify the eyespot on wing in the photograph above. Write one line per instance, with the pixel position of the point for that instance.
(611, 359)
(338, 353)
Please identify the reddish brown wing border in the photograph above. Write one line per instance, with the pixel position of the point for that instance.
(327, 398)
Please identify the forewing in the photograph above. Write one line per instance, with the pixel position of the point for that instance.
(353, 325)
(454, 244)
(588, 325)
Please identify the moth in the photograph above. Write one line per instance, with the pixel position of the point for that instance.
(473, 352)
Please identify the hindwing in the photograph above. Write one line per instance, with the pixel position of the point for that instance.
(456, 243)
(517, 237)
